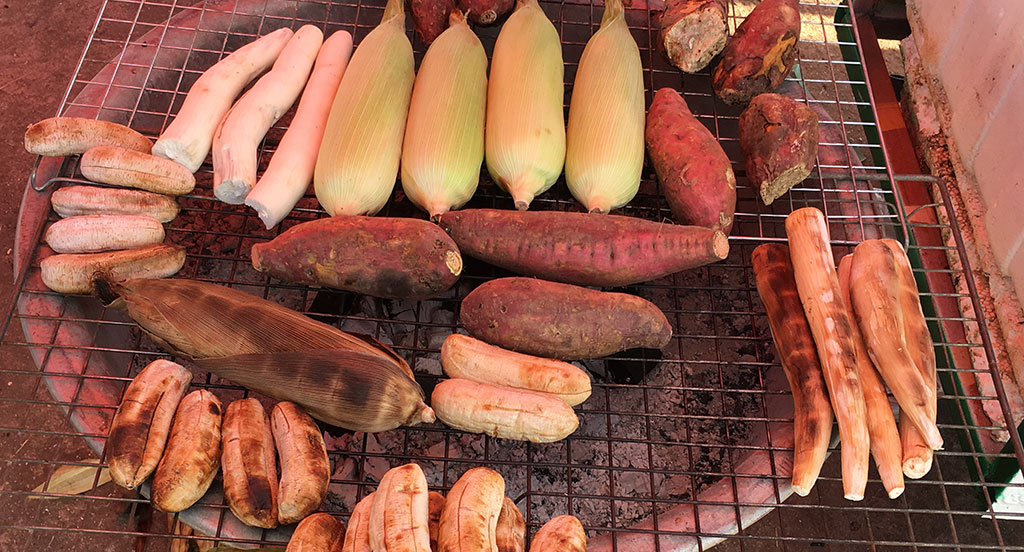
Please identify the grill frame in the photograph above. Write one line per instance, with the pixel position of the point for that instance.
(852, 213)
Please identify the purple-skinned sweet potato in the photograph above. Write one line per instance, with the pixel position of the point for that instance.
(582, 248)
(393, 258)
(430, 17)
(695, 174)
(560, 320)
(760, 54)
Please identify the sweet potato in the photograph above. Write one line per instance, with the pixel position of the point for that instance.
(394, 258)
(779, 140)
(430, 17)
(812, 413)
(692, 32)
(561, 321)
(695, 174)
(485, 12)
(581, 248)
(760, 54)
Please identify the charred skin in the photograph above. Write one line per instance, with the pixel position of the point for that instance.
(250, 467)
(779, 139)
(142, 423)
(192, 457)
(812, 412)
(760, 54)
(582, 248)
(305, 467)
(694, 173)
(393, 258)
(561, 321)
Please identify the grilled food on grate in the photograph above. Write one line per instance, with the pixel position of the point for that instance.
(305, 467)
(470, 516)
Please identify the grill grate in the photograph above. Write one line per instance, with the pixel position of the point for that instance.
(680, 432)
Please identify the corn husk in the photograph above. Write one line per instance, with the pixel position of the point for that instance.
(358, 161)
(344, 379)
(525, 133)
(444, 135)
(605, 137)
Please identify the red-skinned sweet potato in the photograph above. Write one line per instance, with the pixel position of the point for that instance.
(695, 174)
(692, 32)
(485, 12)
(394, 258)
(760, 54)
(581, 248)
(560, 320)
(430, 17)
(779, 139)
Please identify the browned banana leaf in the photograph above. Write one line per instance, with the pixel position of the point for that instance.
(351, 389)
(204, 320)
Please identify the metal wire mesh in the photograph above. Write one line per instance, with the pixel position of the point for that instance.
(661, 429)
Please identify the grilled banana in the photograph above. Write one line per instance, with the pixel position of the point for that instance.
(76, 272)
(467, 357)
(124, 167)
(503, 412)
(560, 534)
(71, 135)
(192, 456)
(471, 511)
(357, 537)
(511, 530)
(72, 201)
(317, 533)
(94, 233)
(250, 470)
(399, 518)
(305, 468)
(139, 429)
(435, 505)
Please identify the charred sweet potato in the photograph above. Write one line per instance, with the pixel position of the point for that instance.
(485, 12)
(695, 174)
(779, 140)
(692, 32)
(394, 258)
(760, 54)
(560, 320)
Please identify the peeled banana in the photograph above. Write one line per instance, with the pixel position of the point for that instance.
(305, 468)
(511, 530)
(399, 518)
(250, 469)
(140, 427)
(435, 505)
(470, 514)
(560, 534)
(357, 537)
(317, 533)
(192, 457)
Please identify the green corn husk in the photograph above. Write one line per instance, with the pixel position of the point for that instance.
(605, 137)
(444, 135)
(358, 161)
(348, 380)
(525, 134)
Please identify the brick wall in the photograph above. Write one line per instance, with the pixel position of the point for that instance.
(974, 52)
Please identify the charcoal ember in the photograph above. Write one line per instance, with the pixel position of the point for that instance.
(632, 365)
